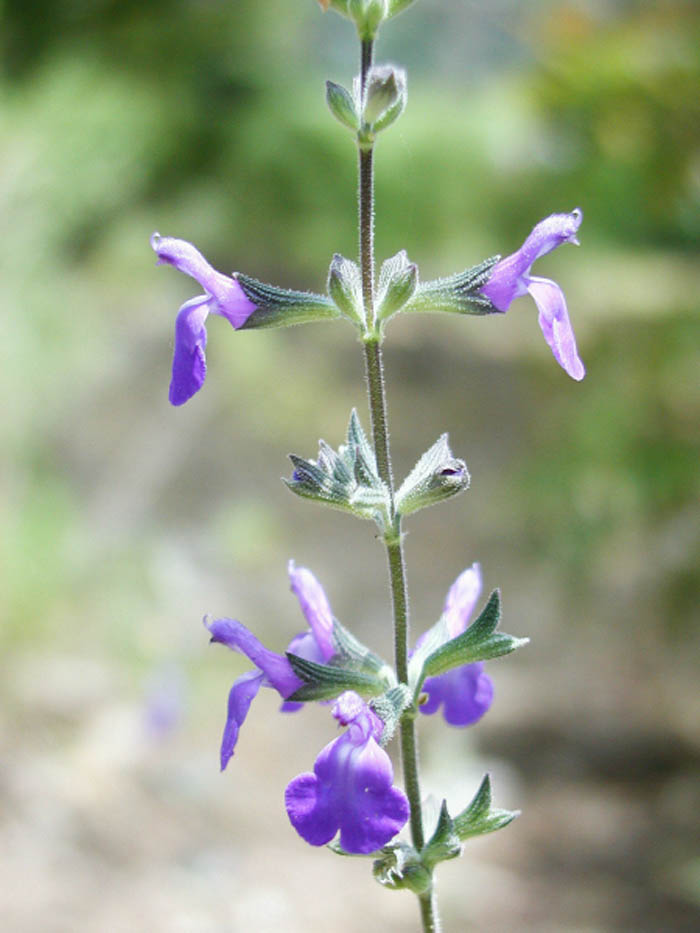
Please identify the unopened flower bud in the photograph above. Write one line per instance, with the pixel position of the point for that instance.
(385, 97)
(398, 280)
(438, 475)
(345, 287)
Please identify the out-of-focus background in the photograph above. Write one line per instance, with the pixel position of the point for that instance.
(125, 520)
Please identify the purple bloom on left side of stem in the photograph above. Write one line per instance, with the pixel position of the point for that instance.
(351, 787)
(465, 693)
(510, 279)
(223, 296)
(274, 670)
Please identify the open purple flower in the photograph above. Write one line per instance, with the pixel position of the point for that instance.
(466, 692)
(351, 786)
(271, 669)
(223, 296)
(511, 278)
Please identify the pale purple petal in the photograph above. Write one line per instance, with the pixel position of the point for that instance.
(506, 282)
(461, 600)
(548, 234)
(350, 790)
(556, 326)
(241, 695)
(276, 668)
(305, 646)
(230, 301)
(509, 278)
(186, 258)
(465, 694)
(189, 363)
(315, 606)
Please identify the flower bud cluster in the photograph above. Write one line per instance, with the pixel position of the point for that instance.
(371, 108)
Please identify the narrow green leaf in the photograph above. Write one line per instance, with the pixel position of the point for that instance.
(479, 642)
(444, 844)
(323, 681)
(478, 818)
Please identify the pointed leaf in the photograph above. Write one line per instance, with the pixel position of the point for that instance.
(444, 844)
(478, 818)
(479, 642)
(323, 681)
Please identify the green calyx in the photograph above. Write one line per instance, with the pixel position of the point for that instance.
(346, 478)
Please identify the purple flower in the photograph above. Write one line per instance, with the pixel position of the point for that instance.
(466, 692)
(510, 279)
(351, 787)
(271, 669)
(223, 295)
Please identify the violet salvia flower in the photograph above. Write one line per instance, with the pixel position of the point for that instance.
(510, 278)
(351, 786)
(274, 670)
(223, 295)
(466, 692)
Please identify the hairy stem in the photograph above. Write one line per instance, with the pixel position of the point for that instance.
(393, 537)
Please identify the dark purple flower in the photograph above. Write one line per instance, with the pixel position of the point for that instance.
(466, 692)
(351, 787)
(510, 279)
(274, 670)
(223, 296)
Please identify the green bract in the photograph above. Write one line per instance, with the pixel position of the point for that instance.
(437, 476)
(344, 479)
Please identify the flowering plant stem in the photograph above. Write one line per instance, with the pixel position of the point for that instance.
(374, 368)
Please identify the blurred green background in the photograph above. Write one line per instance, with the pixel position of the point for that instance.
(124, 520)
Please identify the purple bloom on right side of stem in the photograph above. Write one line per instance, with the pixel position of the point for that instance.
(510, 279)
(466, 692)
(351, 788)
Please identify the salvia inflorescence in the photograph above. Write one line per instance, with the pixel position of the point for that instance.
(349, 800)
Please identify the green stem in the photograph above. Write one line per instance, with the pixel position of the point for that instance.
(393, 537)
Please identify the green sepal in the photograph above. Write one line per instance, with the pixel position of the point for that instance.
(456, 294)
(367, 16)
(342, 105)
(282, 307)
(353, 655)
(390, 707)
(398, 281)
(345, 288)
(384, 98)
(400, 866)
(324, 681)
(479, 642)
(341, 6)
(345, 479)
(434, 638)
(445, 843)
(396, 6)
(438, 475)
(479, 818)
